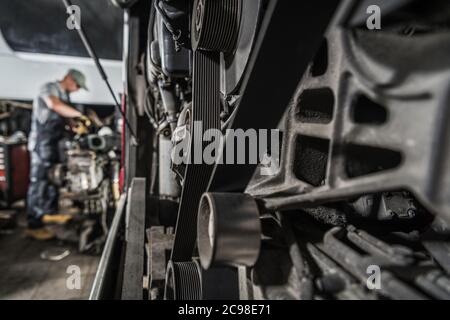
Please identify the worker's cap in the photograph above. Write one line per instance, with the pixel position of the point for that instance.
(78, 77)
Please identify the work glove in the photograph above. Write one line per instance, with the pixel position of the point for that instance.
(85, 120)
(82, 125)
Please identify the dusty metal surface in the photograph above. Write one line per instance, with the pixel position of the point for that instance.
(134, 238)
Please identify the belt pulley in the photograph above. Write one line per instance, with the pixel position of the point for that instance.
(188, 281)
(215, 26)
(183, 281)
(229, 230)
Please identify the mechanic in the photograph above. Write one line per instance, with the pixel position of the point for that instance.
(50, 109)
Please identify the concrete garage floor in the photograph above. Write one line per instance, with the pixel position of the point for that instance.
(25, 275)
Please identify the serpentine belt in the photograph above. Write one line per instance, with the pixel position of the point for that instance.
(214, 30)
(206, 108)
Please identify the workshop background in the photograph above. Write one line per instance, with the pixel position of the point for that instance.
(37, 47)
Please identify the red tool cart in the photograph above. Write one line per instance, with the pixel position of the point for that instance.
(14, 172)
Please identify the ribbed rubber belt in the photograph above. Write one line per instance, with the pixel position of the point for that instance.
(205, 108)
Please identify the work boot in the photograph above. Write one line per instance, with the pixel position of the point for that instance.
(59, 219)
(41, 234)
